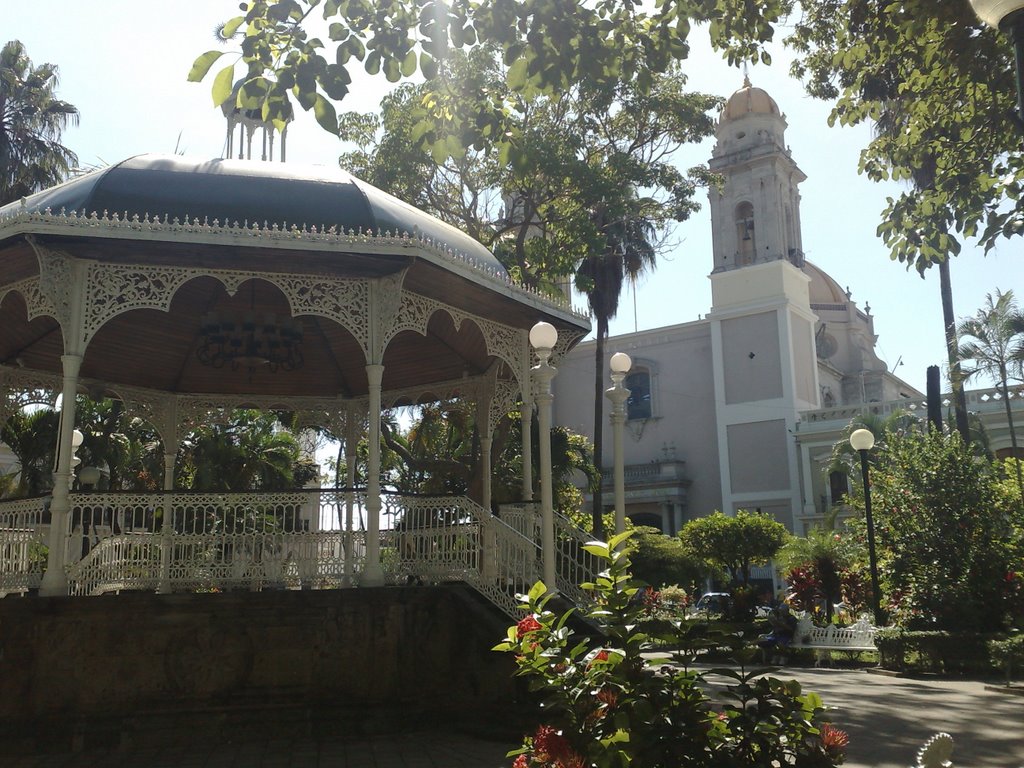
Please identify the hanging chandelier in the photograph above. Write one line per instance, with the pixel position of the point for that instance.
(251, 341)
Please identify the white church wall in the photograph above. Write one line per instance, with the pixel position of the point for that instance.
(803, 361)
(758, 456)
(750, 358)
(682, 425)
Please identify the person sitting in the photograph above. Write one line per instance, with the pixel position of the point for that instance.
(783, 626)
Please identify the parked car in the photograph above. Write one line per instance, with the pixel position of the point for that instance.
(713, 604)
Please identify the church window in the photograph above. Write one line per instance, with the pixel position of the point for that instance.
(746, 244)
(638, 406)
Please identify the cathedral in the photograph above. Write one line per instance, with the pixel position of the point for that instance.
(740, 409)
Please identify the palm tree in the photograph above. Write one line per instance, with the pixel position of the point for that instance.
(31, 122)
(32, 438)
(628, 251)
(250, 452)
(893, 122)
(993, 340)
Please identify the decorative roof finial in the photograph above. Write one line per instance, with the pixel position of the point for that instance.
(746, 75)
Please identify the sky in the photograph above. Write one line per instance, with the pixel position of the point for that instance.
(123, 63)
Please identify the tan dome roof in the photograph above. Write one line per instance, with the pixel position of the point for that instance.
(823, 289)
(749, 100)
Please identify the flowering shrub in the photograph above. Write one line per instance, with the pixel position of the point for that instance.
(607, 705)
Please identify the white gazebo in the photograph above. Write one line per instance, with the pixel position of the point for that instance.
(187, 288)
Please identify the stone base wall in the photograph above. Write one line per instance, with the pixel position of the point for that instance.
(75, 669)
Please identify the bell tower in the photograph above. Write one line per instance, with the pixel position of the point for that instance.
(762, 326)
(755, 215)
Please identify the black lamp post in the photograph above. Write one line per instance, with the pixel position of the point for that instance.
(862, 441)
(1008, 16)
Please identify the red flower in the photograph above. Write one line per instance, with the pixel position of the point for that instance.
(601, 655)
(833, 739)
(608, 697)
(521, 762)
(549, 745)
(529, 624)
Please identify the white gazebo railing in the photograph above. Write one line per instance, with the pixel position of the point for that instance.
(24, 531)
(198, 541)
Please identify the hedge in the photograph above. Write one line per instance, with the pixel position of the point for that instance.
(935, 651)
(1007, 654)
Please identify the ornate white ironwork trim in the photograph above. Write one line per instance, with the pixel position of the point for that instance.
(151, 227)
(37, 303)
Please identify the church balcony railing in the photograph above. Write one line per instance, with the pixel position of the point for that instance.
(985, 402)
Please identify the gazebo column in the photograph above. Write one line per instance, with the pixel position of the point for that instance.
(167, 519)
(55, 580)
(350, 495)
(543, 337)
(526, 423)
(373, 575)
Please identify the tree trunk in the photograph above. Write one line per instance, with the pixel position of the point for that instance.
(956, 379)
(597, 512)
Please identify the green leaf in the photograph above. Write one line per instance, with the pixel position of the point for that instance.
(223, 84)
(537, 591)
(231, 26)
(325, 114)
(409, 64)
(202, 65)
(516, 77)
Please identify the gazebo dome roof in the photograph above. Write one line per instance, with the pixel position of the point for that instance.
(252, 192)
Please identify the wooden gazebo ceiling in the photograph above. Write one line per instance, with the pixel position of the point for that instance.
(158, 350)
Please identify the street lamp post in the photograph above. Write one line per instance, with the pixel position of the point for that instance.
(618, 394)
(862, 441)
(1008, 16)
(543, 338)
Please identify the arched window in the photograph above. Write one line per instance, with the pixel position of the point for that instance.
(638, 406)
(746, 242)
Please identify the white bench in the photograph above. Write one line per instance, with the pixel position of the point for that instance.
(859, 636)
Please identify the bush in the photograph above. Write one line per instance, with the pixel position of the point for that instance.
(1007, 654)
(659, 559)
(607, 705)
(934, 651)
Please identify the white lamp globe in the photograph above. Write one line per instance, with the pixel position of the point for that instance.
(543, 336)
(76, 440)
(862, 440)
(994, 12)
(620, 362)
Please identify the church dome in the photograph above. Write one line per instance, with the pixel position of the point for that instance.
(749, 100)
(823, 289)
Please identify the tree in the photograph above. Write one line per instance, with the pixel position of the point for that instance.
(629, 251)
(939, 87)
(248, 452)
(545, 46)
(660, 560)
(994, 341)
(735, 543)
(440, 452)
(943, 528)
(952, 78)
(821, 568)
(32, 438)
(568, 179)
(31, 123)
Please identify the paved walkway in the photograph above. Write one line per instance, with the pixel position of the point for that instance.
(888, 718)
